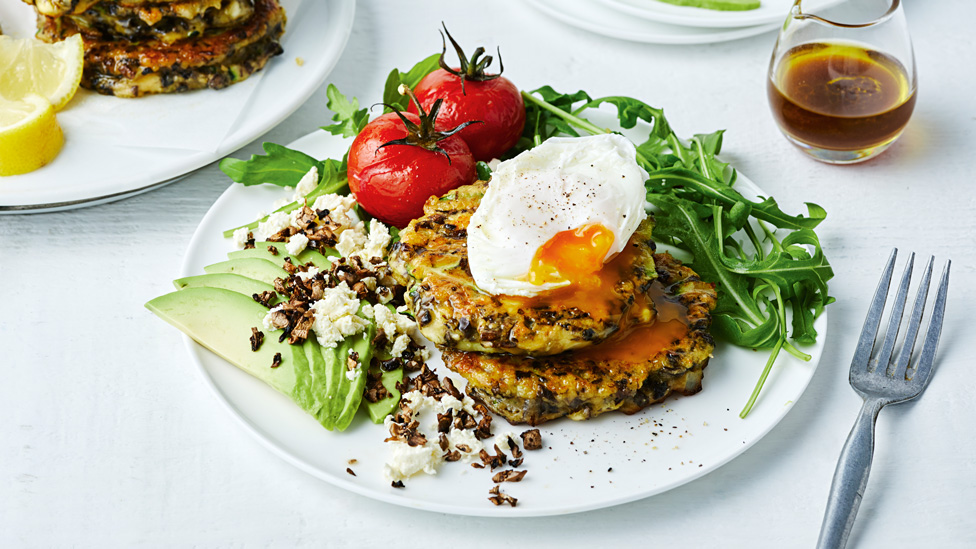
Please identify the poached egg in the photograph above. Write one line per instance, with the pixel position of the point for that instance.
(553, 215)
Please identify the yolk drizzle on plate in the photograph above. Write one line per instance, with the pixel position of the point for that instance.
(575, 255)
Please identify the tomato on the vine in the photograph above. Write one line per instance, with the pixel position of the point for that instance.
(399, 160)
(471, 94)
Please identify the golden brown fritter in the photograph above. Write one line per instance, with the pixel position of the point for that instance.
(166, 22)
(215, 60)
(55, 8)
(431, 260)
(626, 373)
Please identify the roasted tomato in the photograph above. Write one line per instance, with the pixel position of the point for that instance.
(399, 161)
(470, 94)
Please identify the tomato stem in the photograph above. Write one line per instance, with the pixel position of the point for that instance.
(423, 135)
(471, 69)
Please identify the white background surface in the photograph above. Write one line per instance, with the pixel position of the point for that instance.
(109, 438)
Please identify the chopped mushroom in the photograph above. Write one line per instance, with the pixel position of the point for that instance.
(257, 338)
(508, 476)
(532, 440)
(498, 497)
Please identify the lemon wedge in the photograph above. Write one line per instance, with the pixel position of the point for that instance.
(52, 71)
(29, 134)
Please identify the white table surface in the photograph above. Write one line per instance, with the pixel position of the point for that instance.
(108, 437)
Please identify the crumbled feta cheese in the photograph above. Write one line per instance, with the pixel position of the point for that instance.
(335, 316)
(385, 321)
(351, 375)
(405, 461)
(275, 223)
(267, 318)
(493, 163)
(307, 184)
(465, 439)
(351, 240)
(376, 243)
(240, 237)
(501, 440)
(296, 243)
(310, 273)
(277, 204)
(370, 282)
(394, 324)
(340, 208)
(400, 345)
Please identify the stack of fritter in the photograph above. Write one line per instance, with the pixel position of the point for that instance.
(139, 47)
(535, 360)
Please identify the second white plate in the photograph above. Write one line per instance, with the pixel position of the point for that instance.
(769, 11)
(600, 19)
(96, 166)
(606, 461)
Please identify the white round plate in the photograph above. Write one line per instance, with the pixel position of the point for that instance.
(605, 461)
(598, 18)
(96, 166)
(769, 11)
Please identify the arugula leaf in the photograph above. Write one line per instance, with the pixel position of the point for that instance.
(331, 181)
(682, 180)
(281, 166)
(483, 170)
(349, 118)
(391, 94)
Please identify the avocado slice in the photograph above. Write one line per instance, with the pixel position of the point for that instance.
(227, 281)
(221, 320)
(251, 267)
(323, 384)
(260, 251)
(319, 258)
(350, 391)
(380, 409)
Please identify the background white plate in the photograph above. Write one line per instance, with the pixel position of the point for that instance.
(94, 168)
(598, 18)
(606, 461)
(769, 11)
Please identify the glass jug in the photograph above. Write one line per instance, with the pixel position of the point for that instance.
(843, 88)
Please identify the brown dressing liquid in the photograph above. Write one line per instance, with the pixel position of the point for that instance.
(840, 96)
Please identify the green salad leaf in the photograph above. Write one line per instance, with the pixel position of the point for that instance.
(410, 78)
(760, 258)
(281, 166)
(332, 179)
(349, 118)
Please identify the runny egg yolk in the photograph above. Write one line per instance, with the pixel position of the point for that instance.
(575, 255)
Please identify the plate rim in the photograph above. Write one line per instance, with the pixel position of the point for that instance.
(690, 16)
(198, 352)
(341, 11)
(649, 37)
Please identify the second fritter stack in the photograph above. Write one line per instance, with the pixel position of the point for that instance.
(139, 47)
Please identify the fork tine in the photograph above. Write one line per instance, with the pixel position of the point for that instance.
(894, 323)
(862, 354)
(905, 355)
(924, 365)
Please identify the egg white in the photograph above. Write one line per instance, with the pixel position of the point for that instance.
(561, 185)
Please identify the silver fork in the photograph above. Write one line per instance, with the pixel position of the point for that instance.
(881, 380)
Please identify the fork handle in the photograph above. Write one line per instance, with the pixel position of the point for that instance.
(850, 478)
